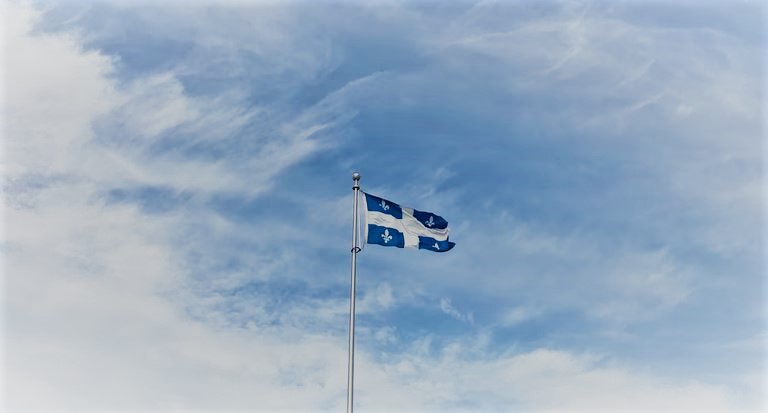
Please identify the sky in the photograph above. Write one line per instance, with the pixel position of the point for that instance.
(177, 205)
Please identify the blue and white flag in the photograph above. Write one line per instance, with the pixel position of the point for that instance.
(392, 225)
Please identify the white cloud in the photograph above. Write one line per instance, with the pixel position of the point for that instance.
(54, 89)
(378, 298)
(517, 315)
(95, 310)
(448, 308)
(54, 79)
(541, 380)
(155, 104)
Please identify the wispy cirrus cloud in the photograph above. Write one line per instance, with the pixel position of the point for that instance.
(449, 309)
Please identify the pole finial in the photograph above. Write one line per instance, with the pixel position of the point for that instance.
(356, 180)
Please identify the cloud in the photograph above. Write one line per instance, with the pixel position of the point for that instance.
(96, 296)
(518, 315)
(39, 93)
(541, 380)
(447, 308)
(148, 132)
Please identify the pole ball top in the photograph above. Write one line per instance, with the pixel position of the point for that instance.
(356, 176)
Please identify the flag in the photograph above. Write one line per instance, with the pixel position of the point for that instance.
(392, 225)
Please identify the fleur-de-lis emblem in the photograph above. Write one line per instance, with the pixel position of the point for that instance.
(431, 222)
(437, 247)
(386, 236)
(384, 205)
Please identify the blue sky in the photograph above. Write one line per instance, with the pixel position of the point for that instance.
(177, 205)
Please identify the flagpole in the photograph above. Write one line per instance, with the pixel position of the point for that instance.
(355, 250)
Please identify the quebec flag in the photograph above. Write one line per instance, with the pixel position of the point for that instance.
(392, 225)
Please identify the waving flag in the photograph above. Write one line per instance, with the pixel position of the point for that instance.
(392, 225)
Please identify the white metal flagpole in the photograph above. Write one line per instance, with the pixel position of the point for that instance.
(355, 250)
